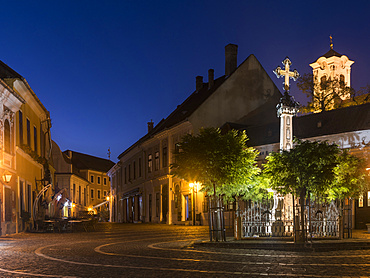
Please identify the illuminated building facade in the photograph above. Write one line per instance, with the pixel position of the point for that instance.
(244, 98)
(84, 180)
(25, 150)
(143, 189)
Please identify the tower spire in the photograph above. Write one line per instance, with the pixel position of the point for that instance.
(331, 42)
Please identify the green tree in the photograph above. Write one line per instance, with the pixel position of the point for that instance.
(351, 177)
(222, 162)
(315, 168)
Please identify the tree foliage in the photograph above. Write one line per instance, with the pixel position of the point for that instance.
(222, 162)
(319, 168)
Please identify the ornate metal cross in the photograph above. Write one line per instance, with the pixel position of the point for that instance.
(286, 73)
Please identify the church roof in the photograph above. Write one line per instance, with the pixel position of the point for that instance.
(353, 118)
(331, 53)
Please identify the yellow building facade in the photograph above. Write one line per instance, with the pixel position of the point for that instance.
(25, 150)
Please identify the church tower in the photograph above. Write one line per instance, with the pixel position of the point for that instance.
(333, 66)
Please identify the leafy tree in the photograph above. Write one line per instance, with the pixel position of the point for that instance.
(222, 162)
(324, 95)
(351, 177)
(316, 168)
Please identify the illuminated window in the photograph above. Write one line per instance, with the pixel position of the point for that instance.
(288, 133)
(368, 198)
(361, 201)
(288, 121)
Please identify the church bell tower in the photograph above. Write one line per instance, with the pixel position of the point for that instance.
(333, 66)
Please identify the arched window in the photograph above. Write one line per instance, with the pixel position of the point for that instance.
(7, 144)
(287, 120)
(288, 133)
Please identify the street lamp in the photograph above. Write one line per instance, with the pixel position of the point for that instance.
(194, 187)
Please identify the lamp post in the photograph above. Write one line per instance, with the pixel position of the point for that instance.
(192, 186)
(6, 178)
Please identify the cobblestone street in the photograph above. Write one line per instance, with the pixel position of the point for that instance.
(143, 250)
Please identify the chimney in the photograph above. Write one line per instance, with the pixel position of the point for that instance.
(211, 78)
(198, 82)
(231, 58)
(150, 126)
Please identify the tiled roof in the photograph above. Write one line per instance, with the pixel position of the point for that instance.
(87, 162)
(182, 112)
(331, 53)
(353, 118)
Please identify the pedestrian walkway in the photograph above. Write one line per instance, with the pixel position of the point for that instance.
(360, 240)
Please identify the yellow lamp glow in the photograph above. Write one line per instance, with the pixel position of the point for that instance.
(7, 177)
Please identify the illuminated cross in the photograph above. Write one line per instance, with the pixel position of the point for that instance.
(286, 73)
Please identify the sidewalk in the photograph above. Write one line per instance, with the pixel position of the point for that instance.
(360, 240)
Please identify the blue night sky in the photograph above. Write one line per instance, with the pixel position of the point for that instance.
(105, 68)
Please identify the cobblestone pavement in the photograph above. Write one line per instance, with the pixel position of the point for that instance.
(143, 250)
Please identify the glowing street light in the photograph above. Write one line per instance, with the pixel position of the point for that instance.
(194, 187)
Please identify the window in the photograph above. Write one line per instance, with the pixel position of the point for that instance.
(368, 198)
(150, 163)
(125, 175)
(157, 203)
(74, 193)
(35, 139)
(361, 201)
(7, 145)
(129, 172)
(92, 179)
(105, 193)
(28, 132)
(134, 169)
(99, 197)
(105, 181)
(79, 195)
(287, 120)
(288, 133)
(98, 180)
(156, 165)
(139, 166)
(164, 157)
(20, 123)
(92, 194)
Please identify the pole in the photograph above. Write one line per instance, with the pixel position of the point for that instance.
(194, 205)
